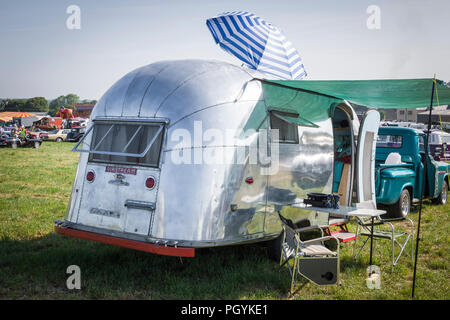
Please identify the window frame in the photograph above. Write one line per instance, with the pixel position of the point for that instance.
(278, 114)
(161, 124)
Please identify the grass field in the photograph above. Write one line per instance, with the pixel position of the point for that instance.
(35, 187)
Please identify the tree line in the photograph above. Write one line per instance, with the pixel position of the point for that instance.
(40, 104)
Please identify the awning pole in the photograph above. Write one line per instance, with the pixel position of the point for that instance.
(425, 177)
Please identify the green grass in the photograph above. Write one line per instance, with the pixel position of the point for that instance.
(35, 187)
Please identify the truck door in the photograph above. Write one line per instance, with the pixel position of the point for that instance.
(433, 177)
(431, 186)
(365, 157)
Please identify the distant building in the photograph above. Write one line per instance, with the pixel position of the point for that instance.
(83, 110)
(409, 115)
(439, 114)
(389, 114)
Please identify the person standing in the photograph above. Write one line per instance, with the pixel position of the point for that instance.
(23, 133)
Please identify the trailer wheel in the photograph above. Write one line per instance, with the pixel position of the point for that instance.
(274, 248)
(402, 207)
(442, 199)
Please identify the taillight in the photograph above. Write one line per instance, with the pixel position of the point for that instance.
(90, 176)
(249, 180)
(150, 182)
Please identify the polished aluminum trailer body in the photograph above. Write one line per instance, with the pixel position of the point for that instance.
(196, 202)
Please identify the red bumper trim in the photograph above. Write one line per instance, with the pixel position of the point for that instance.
(131, 244)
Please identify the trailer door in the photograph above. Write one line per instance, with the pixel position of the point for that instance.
(365, 157)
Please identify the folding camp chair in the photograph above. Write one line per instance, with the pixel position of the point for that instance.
(312, 259)
(384, 229)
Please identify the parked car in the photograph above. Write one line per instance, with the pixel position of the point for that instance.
(399, 171)
(7, 140)
(75, 134)
(39, 133)
(57, 135)
(76, 123)
(440, 145)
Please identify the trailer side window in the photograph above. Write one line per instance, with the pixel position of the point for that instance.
(126, 143)
(288, 132)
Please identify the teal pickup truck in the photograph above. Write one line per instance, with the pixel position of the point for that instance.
(399, 171)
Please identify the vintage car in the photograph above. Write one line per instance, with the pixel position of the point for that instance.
(6, 140)
(58, 135)
(440, 145)
(38, 133)
(75, 134)
(400, 158)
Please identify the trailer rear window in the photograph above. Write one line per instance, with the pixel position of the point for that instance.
(389, 141)
(125, 143)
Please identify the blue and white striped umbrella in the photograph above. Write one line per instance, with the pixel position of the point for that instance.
(257, 43)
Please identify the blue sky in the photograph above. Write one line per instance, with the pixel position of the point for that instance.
(40, 56)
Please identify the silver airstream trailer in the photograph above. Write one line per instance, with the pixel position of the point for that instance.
(179, 155)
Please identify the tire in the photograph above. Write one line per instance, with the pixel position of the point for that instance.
(274, 248)
(402, 207)
(59, 139)
(14, 145)
(442, 199)
(37, 144)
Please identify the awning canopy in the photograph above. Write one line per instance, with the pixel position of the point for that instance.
(315, 100)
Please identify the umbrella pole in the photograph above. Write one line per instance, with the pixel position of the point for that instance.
(425, 177)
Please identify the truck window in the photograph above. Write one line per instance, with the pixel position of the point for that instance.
(126, 143)
(389, 141)
(421, 144)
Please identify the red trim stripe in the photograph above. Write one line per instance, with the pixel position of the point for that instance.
(130, 244)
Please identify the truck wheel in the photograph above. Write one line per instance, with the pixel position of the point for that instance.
(274, 248)
(442, 199)
(59, 140)
(402, 207)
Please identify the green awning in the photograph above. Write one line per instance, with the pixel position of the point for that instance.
(315, 100)
(388, 94)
